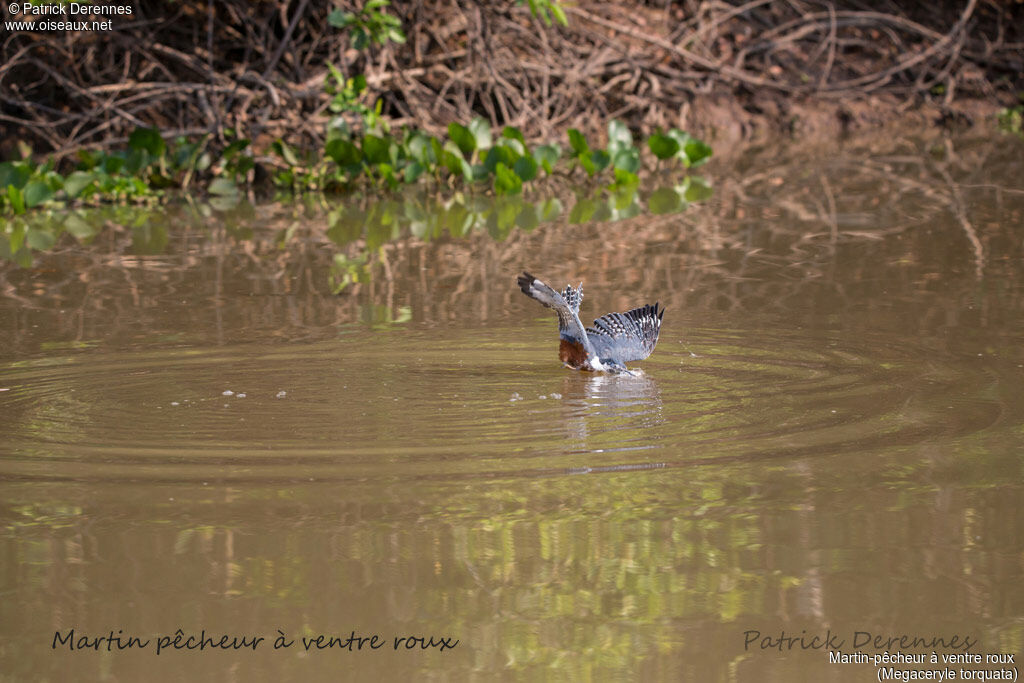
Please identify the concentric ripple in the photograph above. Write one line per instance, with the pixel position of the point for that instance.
(467, 403)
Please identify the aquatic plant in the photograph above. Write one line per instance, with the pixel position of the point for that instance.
(360, 149)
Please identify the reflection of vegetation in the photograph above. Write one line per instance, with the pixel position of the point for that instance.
(346, 271)
(738, 253)
(374, 224)
(566, 575)
(49, 515)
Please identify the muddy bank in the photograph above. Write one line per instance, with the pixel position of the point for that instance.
(728, 121)
(725, 71)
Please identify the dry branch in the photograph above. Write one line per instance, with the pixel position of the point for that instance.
(259, 66)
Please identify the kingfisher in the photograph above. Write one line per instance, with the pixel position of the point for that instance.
(614, 340)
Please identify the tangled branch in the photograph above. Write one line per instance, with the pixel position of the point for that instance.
(193, 67)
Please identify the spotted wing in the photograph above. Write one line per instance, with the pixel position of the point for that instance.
(573, 296)
(624, 337)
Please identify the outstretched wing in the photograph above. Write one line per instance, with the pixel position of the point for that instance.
(566, 305)
(624, 337)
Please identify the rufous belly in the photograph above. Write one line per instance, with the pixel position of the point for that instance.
(573, 354)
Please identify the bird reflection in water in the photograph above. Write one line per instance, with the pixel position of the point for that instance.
(611, 413)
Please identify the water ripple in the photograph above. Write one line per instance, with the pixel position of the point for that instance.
(470, 404)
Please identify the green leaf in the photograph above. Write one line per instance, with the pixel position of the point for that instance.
(360, 40)
(506, 181)
(697, 152)
(600, 159)
(413, 171)
(243, 164)
(16, 174)
(222, 186)
(77, 181)
(693, 152)
(558, 12)
(525, 168)
(436, 150)
(578, 142)
(88, 159)
(462, 137)
(627, 160)
(149, 140)
(513, 134)
(498, 155)
(453, 160)
(285, 151)
(387, 173)
(537, 11)
(478, 172)
(518, 148)
(619, 138)
(587, 162)
(376, 149)
(663, 146)
(547, 156)
(481, 131)
(340, 19)
(417, 145)
(357, 83)
(135, 160)
(112, 165)
(36, 192)
(343, 152)
(626, 178)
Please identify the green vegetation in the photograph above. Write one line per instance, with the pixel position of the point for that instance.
(472, 158)
(361, 155)
(360, 151)
(1011, 119)
(369, 25)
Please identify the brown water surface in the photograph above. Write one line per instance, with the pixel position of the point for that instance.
(828, 441)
